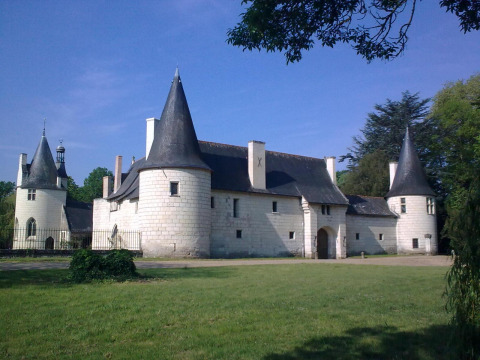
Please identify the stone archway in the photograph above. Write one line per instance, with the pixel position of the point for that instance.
(49, 243)
(322, 244)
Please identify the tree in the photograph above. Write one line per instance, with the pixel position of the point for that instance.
(93, 184)
(370, 177)
(456, 110)
(6, 188)
(74, 192)
(374, 28)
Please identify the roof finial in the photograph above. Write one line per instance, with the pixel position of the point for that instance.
(44, 121)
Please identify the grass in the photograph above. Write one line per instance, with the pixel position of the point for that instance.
(296, 311)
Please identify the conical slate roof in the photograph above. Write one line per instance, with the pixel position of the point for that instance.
(175, 142)
(43, 172)
(409, 178)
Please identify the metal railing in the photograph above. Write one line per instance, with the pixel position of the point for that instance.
(62, 239)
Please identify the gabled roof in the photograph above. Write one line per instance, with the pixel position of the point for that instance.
(368, 206)
(42, 172)
(288, 175)
(79, 216)
(175, 142)
(410, 178)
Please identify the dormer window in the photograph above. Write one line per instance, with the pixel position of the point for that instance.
(32, 194)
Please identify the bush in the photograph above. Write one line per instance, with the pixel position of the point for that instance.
(87, 265)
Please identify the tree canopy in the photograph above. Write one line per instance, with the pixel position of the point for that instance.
(92, 186)
(374, 28)
(6, 188)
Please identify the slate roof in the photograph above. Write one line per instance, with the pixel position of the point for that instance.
(368, 206)
(288, 175)
(79, 216)
(410, 178)
(42, 172)
(175, 142)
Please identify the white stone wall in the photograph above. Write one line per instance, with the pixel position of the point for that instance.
(48, 212)
(264, 233)
(175, 225)
(334, 224)
(107, 214)
(369, 228)
(415, 223)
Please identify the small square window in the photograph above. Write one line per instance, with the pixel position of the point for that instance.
(403, 205)
(32, 194)
(291, 235)
(415, 243)
(357, 236)
(380, 236)
(212, 202)
(274, 207)
(235, 207)
(173, 188)
(239, 234)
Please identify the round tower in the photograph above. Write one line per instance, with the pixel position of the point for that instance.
(40, 201)
(175, 186)
(413, 200)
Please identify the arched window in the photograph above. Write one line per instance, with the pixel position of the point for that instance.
(31, 227)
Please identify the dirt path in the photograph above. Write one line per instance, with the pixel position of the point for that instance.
(388, 261)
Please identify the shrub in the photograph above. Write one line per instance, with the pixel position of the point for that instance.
(87, 265)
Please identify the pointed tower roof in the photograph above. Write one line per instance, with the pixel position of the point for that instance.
(410, 178)
(175, 142)
(42, 172)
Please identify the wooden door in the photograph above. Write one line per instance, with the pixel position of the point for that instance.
(322, 244)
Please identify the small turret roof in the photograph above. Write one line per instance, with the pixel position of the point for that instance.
(42, 172)
(410, 178)
(175, 142)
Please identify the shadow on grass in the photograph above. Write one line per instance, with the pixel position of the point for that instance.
(383, 342)
(19, 278)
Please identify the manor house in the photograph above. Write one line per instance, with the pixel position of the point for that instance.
(190, 198)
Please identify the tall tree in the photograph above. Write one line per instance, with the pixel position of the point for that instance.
(6, 188)
(456, 110)
(370, 177)
(374, 28)
(93, 184)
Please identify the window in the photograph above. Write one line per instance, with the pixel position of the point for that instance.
(235, 207)
(357, 236)
(173, 188)
(212, 202)
(323, 209)
(274, 207)
(403, 205)
(31, 227)
(430, 206)
(380, 236)
(415, 243)
(328, 209)
(32, 194)
(239, 234)
(291, 235)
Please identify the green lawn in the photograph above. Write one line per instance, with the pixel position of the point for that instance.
(297, 311)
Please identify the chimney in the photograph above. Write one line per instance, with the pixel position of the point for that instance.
(118, 173)
(330, 160)
(392, 166)
(256, 164)
(151, 125)
(22, 162)
(107, 186)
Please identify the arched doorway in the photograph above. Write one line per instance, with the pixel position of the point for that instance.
(322, 244)
(49, 243)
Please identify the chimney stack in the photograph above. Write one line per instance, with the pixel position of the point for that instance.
(256, 164)
(392, 166)
(151, 126)
(118, 173)
(330, 160)
(107, 186)
(22, 162)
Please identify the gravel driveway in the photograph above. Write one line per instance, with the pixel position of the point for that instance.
(439, 260)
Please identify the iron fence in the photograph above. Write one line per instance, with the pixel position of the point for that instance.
(62, 239)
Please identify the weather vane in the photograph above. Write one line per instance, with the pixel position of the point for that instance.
(44, 121)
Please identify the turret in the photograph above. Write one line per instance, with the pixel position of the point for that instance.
(175, 184)
(41, 196)
(412, 198)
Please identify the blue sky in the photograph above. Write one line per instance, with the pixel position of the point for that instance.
(97, 69)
